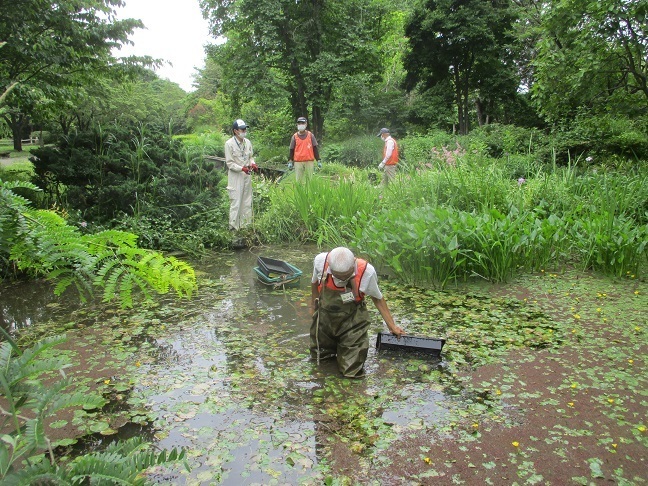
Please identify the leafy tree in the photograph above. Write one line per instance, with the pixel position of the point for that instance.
(592, 55)
(282, 49)
(47, 43)
(465, 44)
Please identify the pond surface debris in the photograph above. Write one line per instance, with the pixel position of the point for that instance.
(539, 380)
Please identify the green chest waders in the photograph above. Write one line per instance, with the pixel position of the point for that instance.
(340, 329)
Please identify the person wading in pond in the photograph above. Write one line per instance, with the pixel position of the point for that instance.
(390, 156)
(340, 324)
(240, 163)
(304, 151)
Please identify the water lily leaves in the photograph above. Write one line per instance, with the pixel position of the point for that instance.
(99, 426)
(58, 424)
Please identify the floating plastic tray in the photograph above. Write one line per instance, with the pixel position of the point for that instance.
(277, 279)
(269, 266)
(387, 340)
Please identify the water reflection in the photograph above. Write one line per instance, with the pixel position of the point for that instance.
(23, 303)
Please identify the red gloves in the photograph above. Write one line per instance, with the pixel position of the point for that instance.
(245, 169)
(255, 167)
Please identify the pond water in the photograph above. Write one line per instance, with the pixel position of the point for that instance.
(227, 376)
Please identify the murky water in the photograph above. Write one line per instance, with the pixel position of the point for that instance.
(229, 378)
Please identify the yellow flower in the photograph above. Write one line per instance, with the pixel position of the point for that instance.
(598, 309)
(611, 400)
(614, 445)
(641, 428)
(515, 443)
(107, 382)
(138, 364)
(631, 361)
(573, 330)
(498, 392)
(574, 385)
(427, 460)
(576, 316)
(571, 404)
(476, 425)
(637, 328)
(636, 292)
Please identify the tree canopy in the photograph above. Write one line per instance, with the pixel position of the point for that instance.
(51, 46)
(463, 46)
(296, 50)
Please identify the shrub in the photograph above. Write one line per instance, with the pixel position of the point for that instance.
(361, 151)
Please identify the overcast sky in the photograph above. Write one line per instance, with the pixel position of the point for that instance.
(174, 31)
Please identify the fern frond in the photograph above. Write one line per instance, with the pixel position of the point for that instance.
(35, 434)
(103, 466)
(88, 401)
(20, 372)
(128, 447)
(40, 473)
(6, 351)
(148, 459)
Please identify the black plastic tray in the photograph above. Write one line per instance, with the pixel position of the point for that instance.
(270, 265)
(432, 346)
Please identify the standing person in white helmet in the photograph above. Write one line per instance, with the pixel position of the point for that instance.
(390, 156)
(304, 151)
(239, 158)
(340, 324)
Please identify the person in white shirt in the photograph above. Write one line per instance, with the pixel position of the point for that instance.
(239, 158)
(340, 324)
(390, 156)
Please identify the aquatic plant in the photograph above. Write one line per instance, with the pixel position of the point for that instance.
(42, 243)
(26, 453)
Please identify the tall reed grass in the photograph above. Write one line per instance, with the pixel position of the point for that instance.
(435, 226)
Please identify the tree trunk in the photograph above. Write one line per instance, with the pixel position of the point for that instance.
(317, 124)
(480, 111)
(17, 122)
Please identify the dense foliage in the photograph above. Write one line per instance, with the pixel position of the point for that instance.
(51, 48)
(42, 243)
(459, 213)
(138, 178)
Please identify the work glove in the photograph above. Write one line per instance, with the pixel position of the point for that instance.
(255, 167)
(290, 165)
(381, 166)
(245, 169)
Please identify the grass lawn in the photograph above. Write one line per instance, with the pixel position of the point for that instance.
(15, 162)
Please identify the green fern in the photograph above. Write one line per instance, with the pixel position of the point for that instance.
(120, 463)
(42, 243)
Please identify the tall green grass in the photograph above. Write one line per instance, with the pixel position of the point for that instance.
(437, 225)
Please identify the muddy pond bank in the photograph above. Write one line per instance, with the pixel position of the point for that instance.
(227, 376)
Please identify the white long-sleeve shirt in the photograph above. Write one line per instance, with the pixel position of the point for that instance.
(390, 144)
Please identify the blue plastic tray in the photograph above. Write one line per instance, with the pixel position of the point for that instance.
(283, 278)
